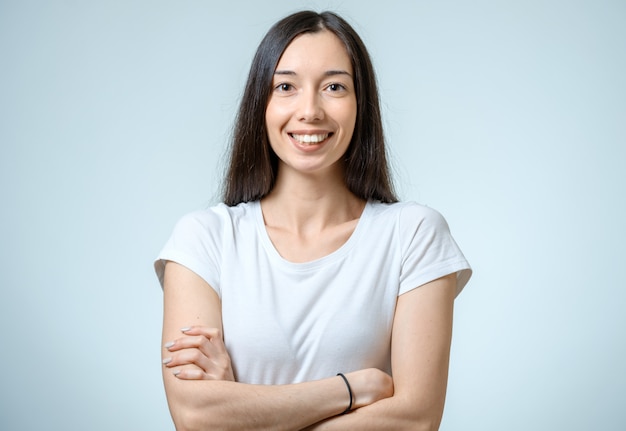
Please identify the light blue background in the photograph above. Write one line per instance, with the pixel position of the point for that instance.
(509, 117)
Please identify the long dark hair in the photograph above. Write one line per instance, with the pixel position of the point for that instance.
(253, 164)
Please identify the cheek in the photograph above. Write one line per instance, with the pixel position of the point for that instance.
(275, 115)
(350, 117)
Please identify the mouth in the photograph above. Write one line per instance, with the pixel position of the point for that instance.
(310, 139)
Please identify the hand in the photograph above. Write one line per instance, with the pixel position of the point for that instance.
(369, 385)
(200, 354)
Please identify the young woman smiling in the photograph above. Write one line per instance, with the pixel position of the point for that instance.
(293, 303)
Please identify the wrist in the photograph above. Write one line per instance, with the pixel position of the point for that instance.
(350, 394)
(368, 386)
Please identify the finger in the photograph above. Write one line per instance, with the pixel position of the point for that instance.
(211, 348)
(207, 331)
(219, 366)
(214, 335)
(192, 372)
(186, 373)
(189, 373)
(188, 357)
(186, 343)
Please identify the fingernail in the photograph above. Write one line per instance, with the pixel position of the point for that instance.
(185, 329)
(169, 344)
(167, 361)
(177, 372)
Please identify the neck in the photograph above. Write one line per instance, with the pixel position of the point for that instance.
(311, 202)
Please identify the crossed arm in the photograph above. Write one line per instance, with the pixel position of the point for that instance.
(202, 393)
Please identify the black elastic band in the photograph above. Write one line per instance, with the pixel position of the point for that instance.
(349, 392)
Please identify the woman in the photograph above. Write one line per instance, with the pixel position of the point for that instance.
(291, 305)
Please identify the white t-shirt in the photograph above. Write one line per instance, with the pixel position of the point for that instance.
(288, 322)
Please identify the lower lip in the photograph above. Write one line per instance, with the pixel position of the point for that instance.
(308, 147)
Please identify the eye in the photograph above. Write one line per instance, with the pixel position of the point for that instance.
(283, 87)
(335, 87)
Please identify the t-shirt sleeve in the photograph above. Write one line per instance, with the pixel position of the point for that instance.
(429, 251)
(195, 244)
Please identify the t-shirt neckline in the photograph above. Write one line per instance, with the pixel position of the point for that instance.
(334, 256)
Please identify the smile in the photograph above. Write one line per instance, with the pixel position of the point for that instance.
(310, 139)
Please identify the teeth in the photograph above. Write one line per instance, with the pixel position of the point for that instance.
(308, 139)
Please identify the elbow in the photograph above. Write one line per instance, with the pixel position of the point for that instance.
(196, 407)
(190, 416)
(423, 423)
(414, 418)
(186, 419)
(426, 421)
(427, 424)
(188, 410)
(193, 417)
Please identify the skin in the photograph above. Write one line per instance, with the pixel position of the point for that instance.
(313, 94)
(309, 214)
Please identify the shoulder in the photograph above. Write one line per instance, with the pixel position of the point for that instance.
(199, 237)
(214, 218)
(409, 215)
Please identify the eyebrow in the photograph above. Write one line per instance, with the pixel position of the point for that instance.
(327, 73)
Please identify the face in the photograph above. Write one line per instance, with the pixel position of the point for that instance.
(311, 112)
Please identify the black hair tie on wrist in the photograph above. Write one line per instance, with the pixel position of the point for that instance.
(349, 392)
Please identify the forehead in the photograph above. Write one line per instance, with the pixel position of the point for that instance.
(312, 51)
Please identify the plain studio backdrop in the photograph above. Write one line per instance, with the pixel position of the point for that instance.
(509, 117)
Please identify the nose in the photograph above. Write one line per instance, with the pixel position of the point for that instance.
(310, 106)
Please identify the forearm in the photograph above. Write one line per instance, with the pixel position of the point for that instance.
(393, 414)
(420, 357)
(223, 405)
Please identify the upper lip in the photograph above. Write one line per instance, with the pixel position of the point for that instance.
(310, 132)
